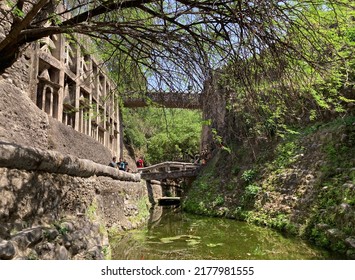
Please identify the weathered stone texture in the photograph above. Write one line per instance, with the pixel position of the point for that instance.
(57, 216)
(66, 140)
(155, 191)
(7, 250)
(20, 121)
(54, 206)
(213, 110)
(27, 158)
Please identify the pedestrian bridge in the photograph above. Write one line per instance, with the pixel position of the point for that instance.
(169, 170)
(171, 99)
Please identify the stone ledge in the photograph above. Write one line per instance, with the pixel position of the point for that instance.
(27, 158)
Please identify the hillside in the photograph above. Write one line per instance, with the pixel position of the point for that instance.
(303, 185)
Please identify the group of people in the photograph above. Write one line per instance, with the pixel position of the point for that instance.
(122, 164)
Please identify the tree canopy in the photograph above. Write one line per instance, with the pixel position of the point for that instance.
(269, 93)
(173, 42)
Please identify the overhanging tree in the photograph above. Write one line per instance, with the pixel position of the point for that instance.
(180, 40)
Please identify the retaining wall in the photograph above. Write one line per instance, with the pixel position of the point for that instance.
(55, 206)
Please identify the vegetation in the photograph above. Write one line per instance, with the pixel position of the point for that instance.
(143, 211)
(269, 95)
(302, 185)
(290, 127)
(163, 134)
(282, 65)
(175, 44)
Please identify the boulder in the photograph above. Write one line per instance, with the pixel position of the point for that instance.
(7, 250)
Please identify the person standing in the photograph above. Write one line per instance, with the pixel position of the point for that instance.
(140, 163)
(113, 163)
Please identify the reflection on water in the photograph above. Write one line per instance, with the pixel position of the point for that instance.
(172, 234)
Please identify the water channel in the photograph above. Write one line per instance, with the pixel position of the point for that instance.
(174, 235)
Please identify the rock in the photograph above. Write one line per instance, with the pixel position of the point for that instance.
(348, 185)
(4, 232)
(77, 246)
(310, 179)
(4, 181)
(7, 250)
(350, 254)
(344, 207)
(350, 241)
(52, 234)
(67, 240)
(28, 237)
(61, 253)
(32, 255)
(95, 228)
(335, 233)
(322, 226)
(68, 226)
(95, 253)
(44, 247)
(86, 230)
(78, 235)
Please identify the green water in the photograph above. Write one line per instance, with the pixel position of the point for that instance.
(179, 236)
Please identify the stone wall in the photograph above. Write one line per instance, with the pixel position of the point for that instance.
(155, 191)
(21, 122)
(64, 139)
(56, 81)
(46, 214)
(213, 112)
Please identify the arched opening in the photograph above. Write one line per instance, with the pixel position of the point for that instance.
(55, 105)
(48, 100)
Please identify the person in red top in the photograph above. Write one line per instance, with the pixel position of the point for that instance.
(140, 163)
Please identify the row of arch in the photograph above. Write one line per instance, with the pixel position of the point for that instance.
(73, 88)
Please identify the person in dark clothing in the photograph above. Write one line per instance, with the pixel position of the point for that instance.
(113, 163)
(122, 165)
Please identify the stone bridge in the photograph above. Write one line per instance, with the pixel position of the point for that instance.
(172, 99)
(169, 170)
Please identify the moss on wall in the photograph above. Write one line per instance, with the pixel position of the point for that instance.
(304, 185)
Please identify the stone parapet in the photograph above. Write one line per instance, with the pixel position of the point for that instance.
(28, 158)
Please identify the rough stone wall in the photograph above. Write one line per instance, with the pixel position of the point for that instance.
(303, 185)
(19, 73)
(155, 191)
(214, 112)
(21, 122)
(46, 214)
(64, 139)
(56, 216)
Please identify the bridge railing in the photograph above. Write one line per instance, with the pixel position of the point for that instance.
(173, 99)
(169, 166)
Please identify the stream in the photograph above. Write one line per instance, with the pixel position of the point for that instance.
(174, 235)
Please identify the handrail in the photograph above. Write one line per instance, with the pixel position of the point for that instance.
(169, 164)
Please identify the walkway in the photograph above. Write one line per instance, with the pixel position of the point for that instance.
(173, 99)
(169, 170)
